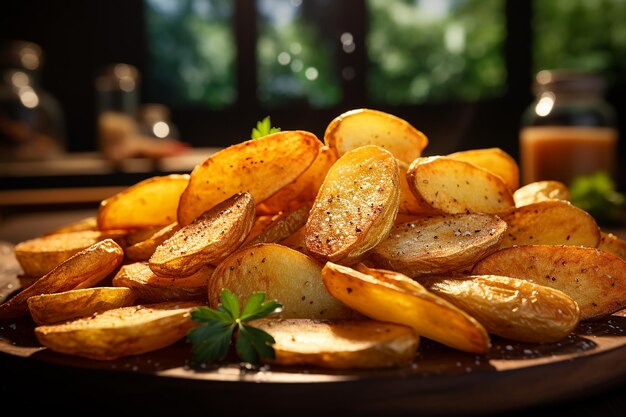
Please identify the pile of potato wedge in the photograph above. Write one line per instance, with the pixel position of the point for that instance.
(367, 244)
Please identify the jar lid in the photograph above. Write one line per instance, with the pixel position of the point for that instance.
(568, 81)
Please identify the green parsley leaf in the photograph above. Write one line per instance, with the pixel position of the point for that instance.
(597, 195)
(212, 339)
(264, 128)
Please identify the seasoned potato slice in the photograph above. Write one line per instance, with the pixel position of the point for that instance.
(340, 344)
(550, 222)
(139, 235)
(612, 244)
(120, 332)
(40, 255)
(439, 244)
(408, 203)
(453, 186)
(282, 227)
(295, 240)
(540, 191)
(510, 307)
(68, 305)
(142, 251)
(303, 189)
(151, 202)
(208, 240)
(283, 274)
(494, 160)
(363, 127)
(88, 223)
(596, 280)
(393, 297)
(83, 270)
(260, 166)
(356, 206)
(151, 288)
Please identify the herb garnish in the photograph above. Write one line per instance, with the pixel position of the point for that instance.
(264, 128)
(597, 195)
(212, 339)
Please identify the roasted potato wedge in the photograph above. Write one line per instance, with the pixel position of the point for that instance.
(68, 305)
(340, 344)
(596, 280)
(88, 223)
(363, 127)
(612, 244)
(208, 240)
(260, 166)
(494, 160)
(393, 297)
(550, 222)
(142, 251)
(151, 288)
(295, 241)
(303, 189)
(439, 244)
(282, 227)
(540, 191)
(82, 270)
(151, 202)
(454, 186)
(139, 235)
(408, 203)
(355, 207)
(120, 332)
(511, 307)
(283, 274)
(40, 255)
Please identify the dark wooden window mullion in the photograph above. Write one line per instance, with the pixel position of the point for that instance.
(518, 50)
(353, 17)
(245, 26)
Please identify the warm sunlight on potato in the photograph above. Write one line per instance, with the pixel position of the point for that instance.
(540, 191)
(494, 160)
(142, 251)
(612, 244)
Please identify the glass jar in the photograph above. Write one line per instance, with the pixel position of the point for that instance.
(569, 130)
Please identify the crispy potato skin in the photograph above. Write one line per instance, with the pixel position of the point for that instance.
(120, 332)
(282, 227)
(454, 186)
(596, 280)
(151, 202)
(68, 305)
(208, 240)
(612, 244)
(283, 274)
(393, 297)
(260, 166)
(83, 270)
(494, 160)
(356, 206)
(340, 344)
(143, 250)
(362, 127)
(408, 203)
(151, 288)
(439, 244)
(510, 307)
(541, 191)
(40, 255)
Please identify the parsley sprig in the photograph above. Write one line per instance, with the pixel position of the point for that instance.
(212, 339)
(264, 128)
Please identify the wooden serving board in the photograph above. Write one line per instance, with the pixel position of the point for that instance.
(440, 381)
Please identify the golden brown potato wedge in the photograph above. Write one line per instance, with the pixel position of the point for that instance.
(283, 274)
(68, 305)
(151, 202)
(340, 344)
(82, 270)
(142, 251)
(393, 297)
(596, 280)
(612, 244)
(494, 160)
(439, 244)
(260, 166)
(282, 227)
(88, 223)
(26, 280)
(454, 186)
(139, 235)
(151, 288)
(408, 203)
(550, 222)
(303, 189)
(363, 127)
(295, 241)
(511, 307)
(208, 240)
(40, 255)
(355, 207)
(540, 191)
(121, 332)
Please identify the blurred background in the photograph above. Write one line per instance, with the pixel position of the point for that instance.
(199, 74)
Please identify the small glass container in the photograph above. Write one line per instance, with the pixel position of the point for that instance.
(568, 130)
(154, 121)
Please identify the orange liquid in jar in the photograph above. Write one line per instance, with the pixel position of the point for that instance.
(561, 153)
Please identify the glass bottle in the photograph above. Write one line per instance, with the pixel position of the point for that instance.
(569, 130)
